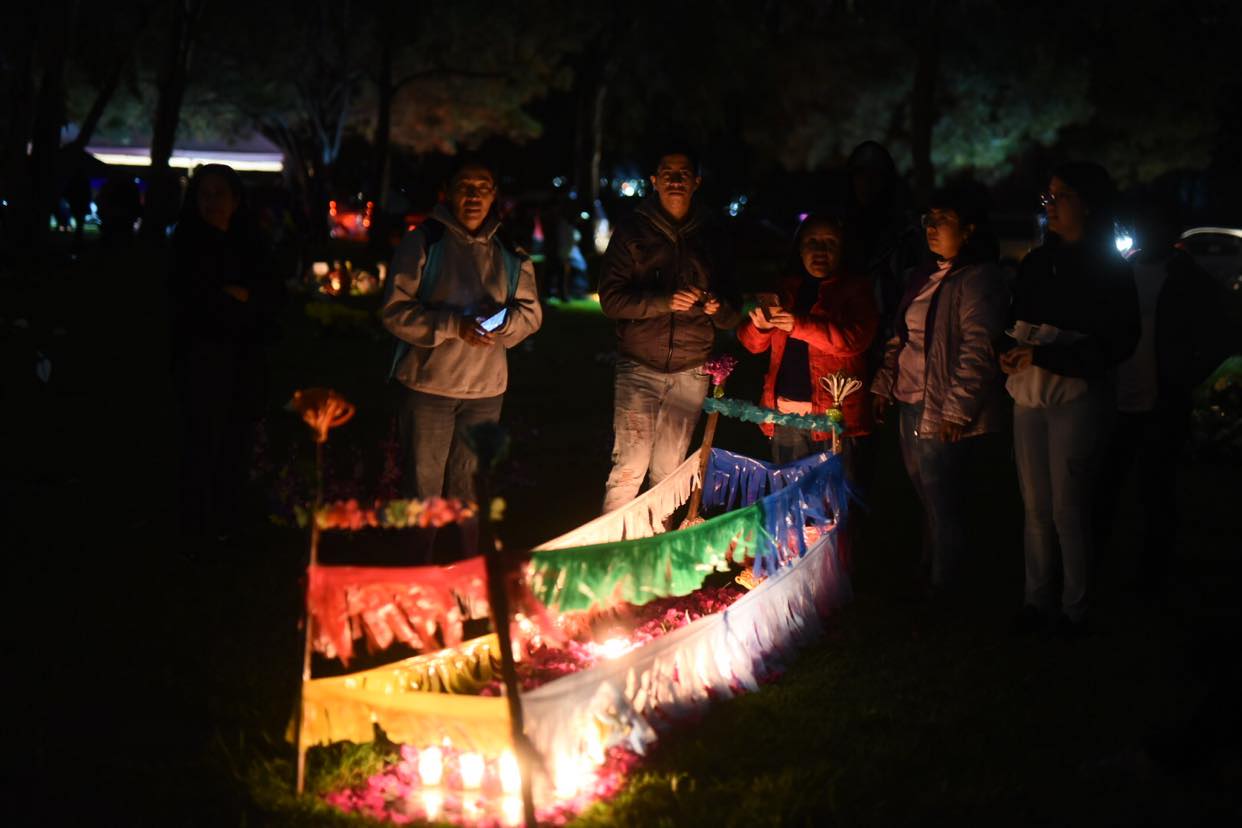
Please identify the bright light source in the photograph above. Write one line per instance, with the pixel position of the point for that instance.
(628, 189)
(584, 215)
(471, 767)
(256, 162)
(615, 648)
(559, 181)
(431, 767)
(603, 235)
(1124, 242)
(511, 810)
(572, 774)
(510, 775)
(433, 801)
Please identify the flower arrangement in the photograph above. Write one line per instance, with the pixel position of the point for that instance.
(719, 368)
(391, 514)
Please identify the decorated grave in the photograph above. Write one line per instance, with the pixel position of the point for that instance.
(619, 629)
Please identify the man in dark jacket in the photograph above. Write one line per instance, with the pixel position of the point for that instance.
(664, 283)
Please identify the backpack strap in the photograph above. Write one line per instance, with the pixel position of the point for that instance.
(433, 234)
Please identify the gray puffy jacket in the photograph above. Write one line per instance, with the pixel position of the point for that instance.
(962, 380)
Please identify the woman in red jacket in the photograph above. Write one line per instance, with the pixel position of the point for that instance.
(824, 323)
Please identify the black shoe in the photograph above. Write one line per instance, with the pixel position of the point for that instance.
(1066, 629)
(1028, 621)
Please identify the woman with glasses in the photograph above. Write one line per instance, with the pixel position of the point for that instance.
(940, 369)
(1075, 317)
(822, 321)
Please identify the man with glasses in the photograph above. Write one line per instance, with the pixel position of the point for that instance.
(460, 295)
(666, 285)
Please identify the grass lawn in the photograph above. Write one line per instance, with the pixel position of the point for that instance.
(155, 689)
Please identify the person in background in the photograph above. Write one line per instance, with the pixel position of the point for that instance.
(224, 301)
(940, 368)
(451, 279)
(1075, 318)
(823, 323)
(667, 287)
(1186, 333)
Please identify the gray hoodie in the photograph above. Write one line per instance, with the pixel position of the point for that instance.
(472, 280)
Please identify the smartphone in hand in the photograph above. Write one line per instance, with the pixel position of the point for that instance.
(766, 302)
(494, 321)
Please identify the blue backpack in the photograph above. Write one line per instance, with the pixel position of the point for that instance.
(433, 233)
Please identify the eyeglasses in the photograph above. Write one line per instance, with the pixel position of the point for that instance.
(930, 220)
(1049, 198)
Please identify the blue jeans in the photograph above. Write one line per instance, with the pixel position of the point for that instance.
(1057, 450)
(653, 419)
(936, 469)
(433, 442)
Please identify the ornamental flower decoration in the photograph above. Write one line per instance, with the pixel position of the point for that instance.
(322, 409)
(719, 368)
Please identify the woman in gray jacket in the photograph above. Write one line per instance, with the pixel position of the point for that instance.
(941, 370)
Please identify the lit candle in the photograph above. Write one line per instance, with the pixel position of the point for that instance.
(431, 766)
(511, 810)
(471, 767)
(433, 801)
(510, 775)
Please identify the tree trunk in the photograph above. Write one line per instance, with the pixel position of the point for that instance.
(923, 113)
(383, 121)
(49, 118)
(14, 164)
(162, 189)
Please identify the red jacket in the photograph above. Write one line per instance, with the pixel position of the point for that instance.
(838, 331)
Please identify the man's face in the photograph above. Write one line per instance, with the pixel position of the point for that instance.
(675, 183)
(470, 196)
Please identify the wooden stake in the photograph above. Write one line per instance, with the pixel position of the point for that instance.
(298, 744)
(705, 456)
(499, 571)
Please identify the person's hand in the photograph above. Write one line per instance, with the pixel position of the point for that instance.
(781, 319)
(685, 299)
(879, 405)
(238, 292)
(470, 332)
(757, 319)
(710, 304)
(951, 432)
(1017, 360)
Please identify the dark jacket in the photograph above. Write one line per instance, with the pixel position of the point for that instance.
(649, 258)
(205, 261)
(838, 331)
(965, 318)
(1194, 333)
(1076, 288)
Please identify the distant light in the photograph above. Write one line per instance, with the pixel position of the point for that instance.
(254, 162)
(1124, 242)
(573, 194)
(559, 181)
(585, 215)
(628, 189)
(802, 217)
(734, 208)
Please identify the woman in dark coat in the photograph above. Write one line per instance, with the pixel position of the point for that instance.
(1075, 318)
(224, 300)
